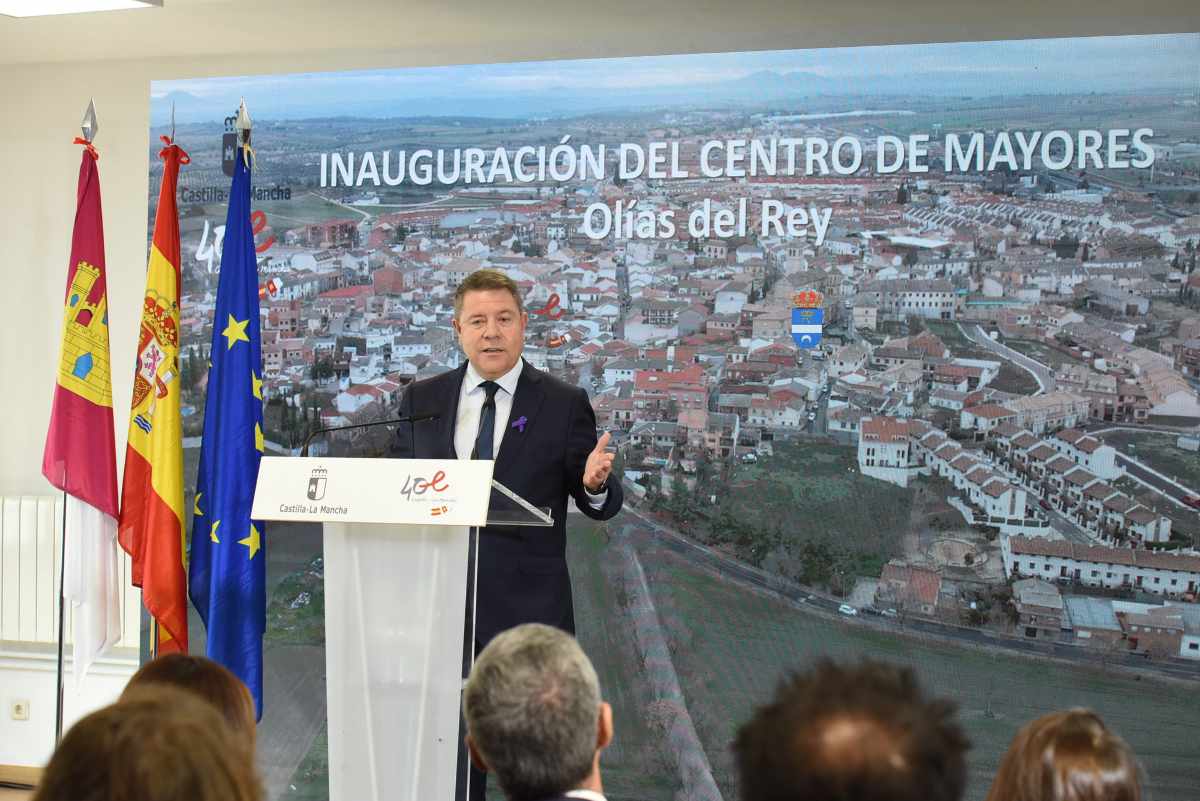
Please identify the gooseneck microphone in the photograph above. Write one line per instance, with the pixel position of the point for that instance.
(412, 418)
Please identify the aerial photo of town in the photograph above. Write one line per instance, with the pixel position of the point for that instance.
(989, 468)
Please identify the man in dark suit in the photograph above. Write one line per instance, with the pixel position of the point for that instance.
(541, 433)
(535, 717)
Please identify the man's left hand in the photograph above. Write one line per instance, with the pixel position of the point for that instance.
(599, 465)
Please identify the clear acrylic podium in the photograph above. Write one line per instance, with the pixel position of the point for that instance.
(399, 574)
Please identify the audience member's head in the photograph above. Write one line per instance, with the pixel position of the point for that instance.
(534, 714)
(156, 744)
(1067, 756)
(852, 733)
(206, 679)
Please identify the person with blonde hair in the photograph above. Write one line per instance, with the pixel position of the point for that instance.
(1067, 756)
(207, 680)
(158, 743)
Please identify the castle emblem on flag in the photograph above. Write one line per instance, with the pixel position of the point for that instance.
(808, 317)
(83, 368)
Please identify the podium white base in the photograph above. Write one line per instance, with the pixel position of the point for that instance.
(394, 646)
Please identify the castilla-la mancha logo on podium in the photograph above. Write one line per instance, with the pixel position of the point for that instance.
(316, 484)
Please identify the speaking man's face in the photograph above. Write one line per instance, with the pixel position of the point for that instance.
(491, 330)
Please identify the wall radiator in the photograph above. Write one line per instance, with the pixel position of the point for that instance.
(30, 567)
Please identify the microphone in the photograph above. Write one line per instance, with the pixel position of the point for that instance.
(412, 418)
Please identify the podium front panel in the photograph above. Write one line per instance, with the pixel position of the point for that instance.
(394, 644)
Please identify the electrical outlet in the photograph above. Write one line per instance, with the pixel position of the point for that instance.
(19, 710)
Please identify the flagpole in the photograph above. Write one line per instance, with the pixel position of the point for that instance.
(62, 614)
(89, 127)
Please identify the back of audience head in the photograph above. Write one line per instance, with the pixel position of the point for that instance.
(861, 732)
(206, 679)
(156, 744)
(534, 715)
(1067, 756)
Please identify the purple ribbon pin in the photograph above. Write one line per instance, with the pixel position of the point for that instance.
(519, 423)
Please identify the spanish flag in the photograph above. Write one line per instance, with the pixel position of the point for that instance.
(80, 455)
(151, 525)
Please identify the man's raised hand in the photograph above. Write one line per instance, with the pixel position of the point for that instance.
(599, 465)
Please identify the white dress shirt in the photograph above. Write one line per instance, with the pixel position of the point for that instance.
(586, 795)
(470, 407)
(471, 397)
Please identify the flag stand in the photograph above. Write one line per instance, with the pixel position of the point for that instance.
(62, 615)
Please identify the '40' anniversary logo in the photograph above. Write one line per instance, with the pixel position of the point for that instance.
(419, 485)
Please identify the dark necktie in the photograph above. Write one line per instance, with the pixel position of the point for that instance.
(487, 422)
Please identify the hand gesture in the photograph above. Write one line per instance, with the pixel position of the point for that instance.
(599, 465)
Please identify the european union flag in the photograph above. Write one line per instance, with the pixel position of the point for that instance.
(227, 575)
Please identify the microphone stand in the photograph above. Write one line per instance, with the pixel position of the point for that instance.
(412, 418)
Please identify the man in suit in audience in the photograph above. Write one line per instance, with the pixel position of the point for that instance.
(852, 733)
(535, 717)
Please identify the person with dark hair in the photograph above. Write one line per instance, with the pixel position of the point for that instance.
(158, 743)
(1067, 756)
(535, 717)
(852, 733)
(209, 681)
(541, 433)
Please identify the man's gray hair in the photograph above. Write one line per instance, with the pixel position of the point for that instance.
(532, 705)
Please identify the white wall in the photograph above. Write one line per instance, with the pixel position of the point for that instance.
(29, 674)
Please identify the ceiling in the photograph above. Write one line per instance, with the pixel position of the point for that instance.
(425, 30)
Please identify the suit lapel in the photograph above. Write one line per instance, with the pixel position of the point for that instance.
(526, 403)
(450, 421)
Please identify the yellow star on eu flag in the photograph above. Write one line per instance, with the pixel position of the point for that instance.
(235, 331)
(253, 542)
(258, 437)
(256, 385)
(212, 534)
(196, 505)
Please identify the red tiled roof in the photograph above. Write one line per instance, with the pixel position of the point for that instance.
(1080, 477)
(349, 292)
(1119, 504)
(980, 475)
(1043, 453)
(1040, 546)
(1025, 440)
(917, 583)
(964, 463)
(996, 487)
(1099, 491)
(1060, 464)
(1007, 430)
(1070, 435)
(885, 429)
(991, 411)
(1140, 515)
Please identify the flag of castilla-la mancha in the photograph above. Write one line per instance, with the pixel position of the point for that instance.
(152, 514)
(80, 453)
